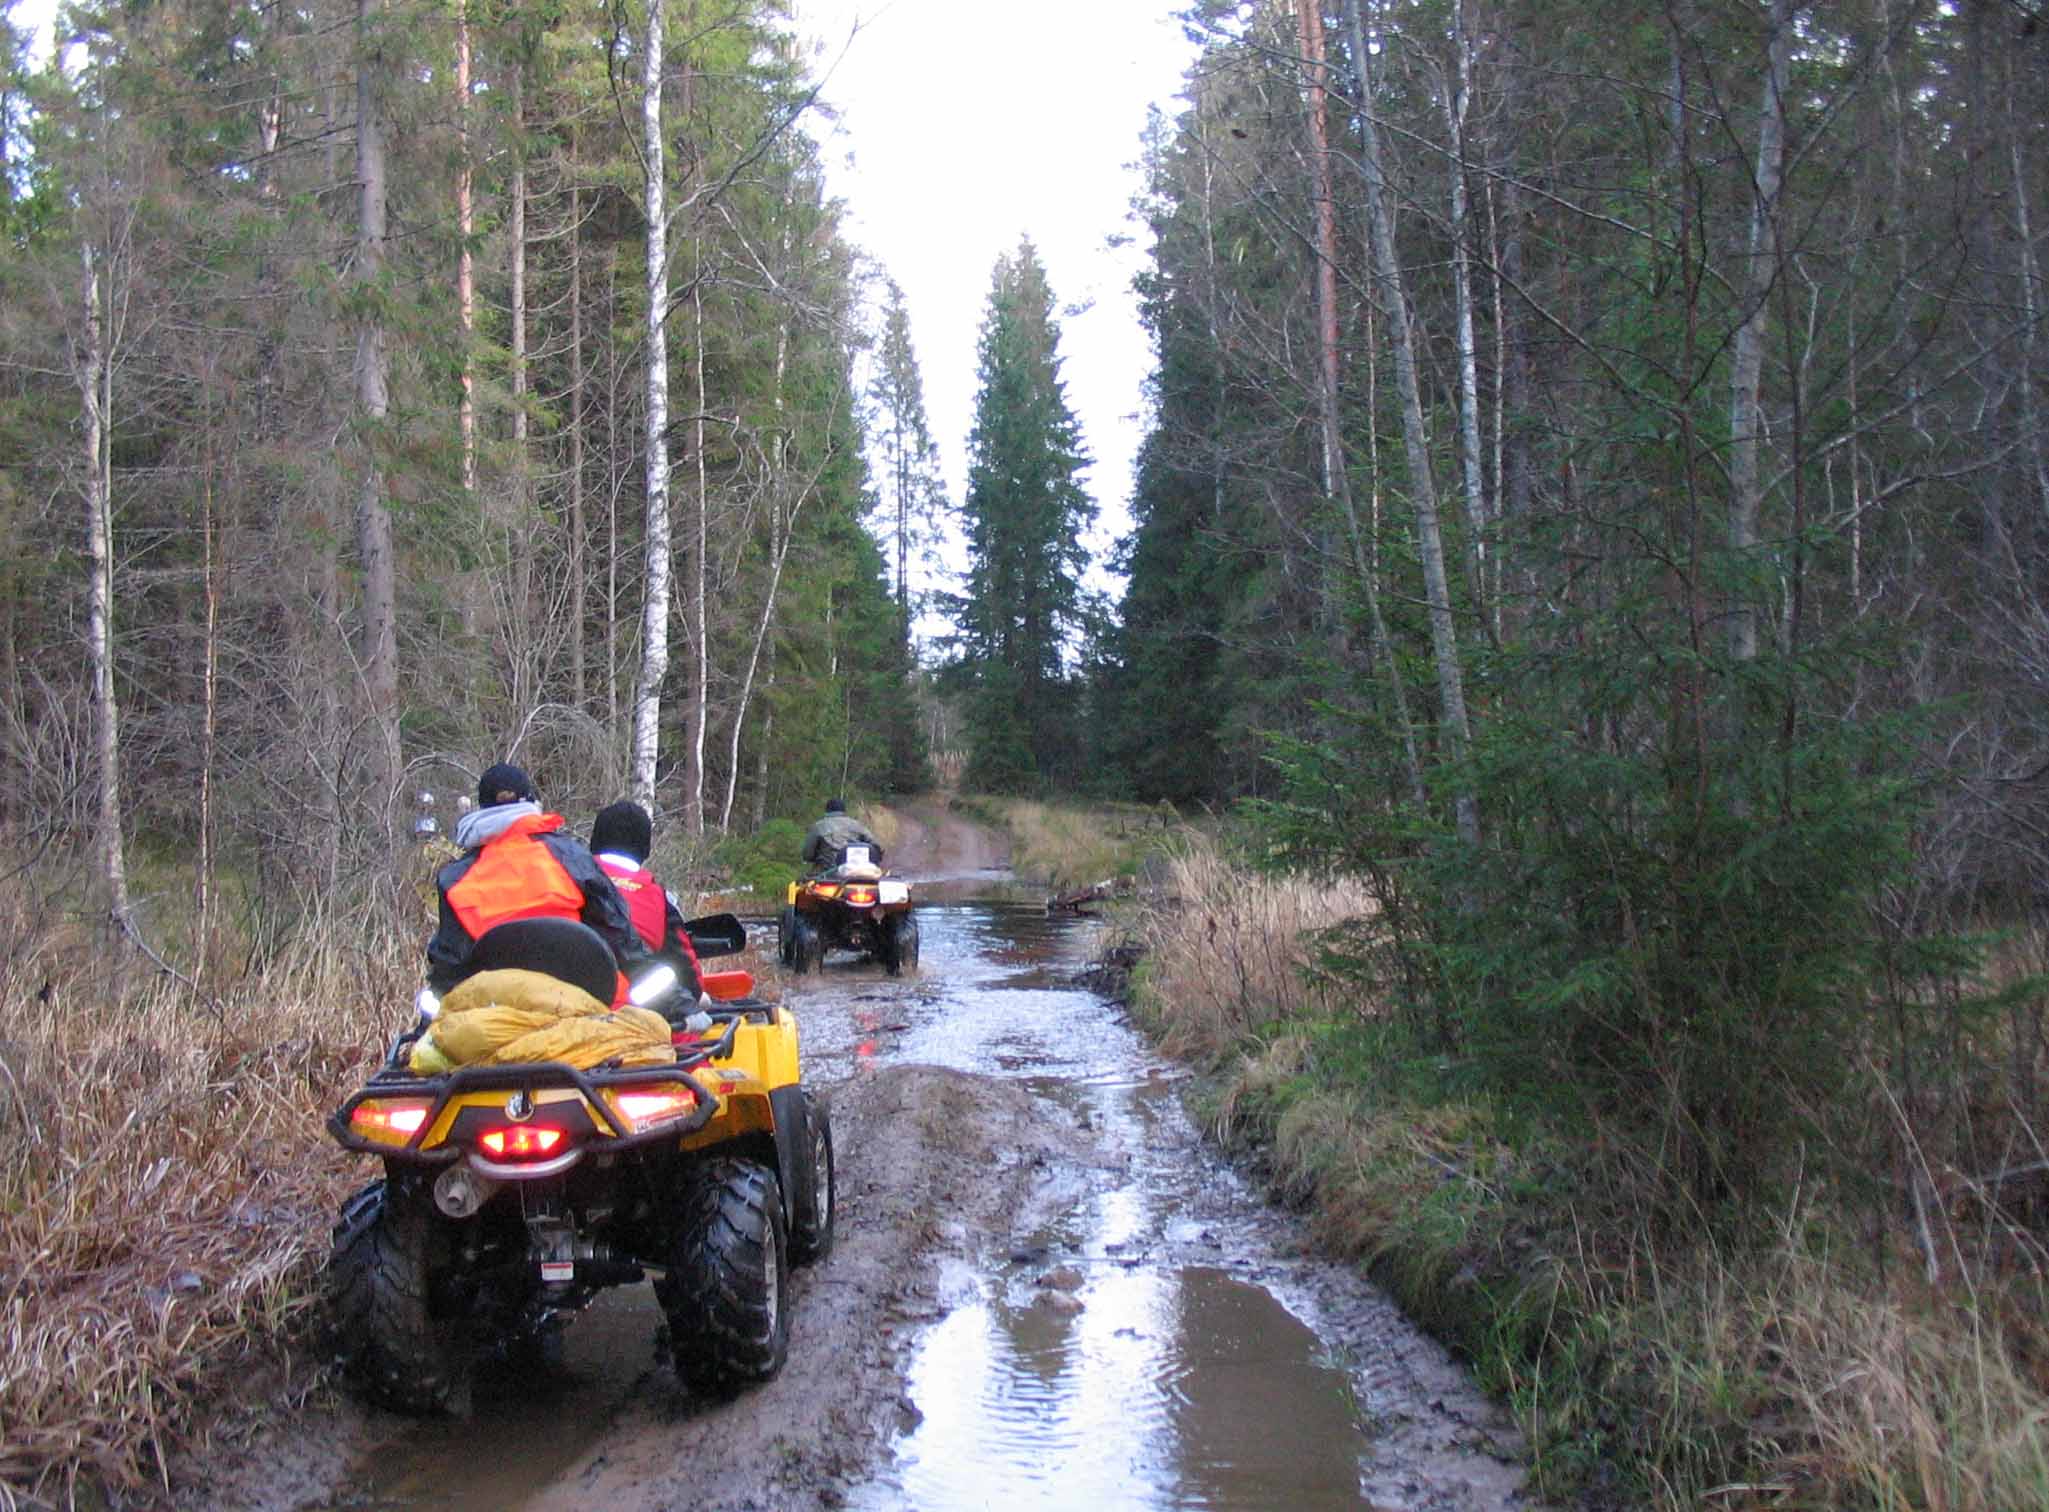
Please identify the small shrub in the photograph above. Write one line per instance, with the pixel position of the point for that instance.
(765, 861)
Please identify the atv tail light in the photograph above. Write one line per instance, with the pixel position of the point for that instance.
(826, 889)
(390, 1120)
(860, 897)
(660, 1106)
(521, 1142)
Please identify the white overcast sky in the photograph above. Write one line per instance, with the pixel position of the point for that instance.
(965, 124)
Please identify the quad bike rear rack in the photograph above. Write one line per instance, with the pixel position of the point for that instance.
(524, 1077)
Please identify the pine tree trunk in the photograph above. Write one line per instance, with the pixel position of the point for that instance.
(1336, 477)
(579, 587)
(1746, 361)
(1456, 110)
(523, 610)
(465, 271)
(210, 713)
(700, 618)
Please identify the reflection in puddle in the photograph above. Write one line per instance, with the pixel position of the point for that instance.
(1164, 1388)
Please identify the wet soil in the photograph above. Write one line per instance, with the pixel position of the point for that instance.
(1046, 1291)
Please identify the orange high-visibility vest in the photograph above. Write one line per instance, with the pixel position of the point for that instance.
(515, 876)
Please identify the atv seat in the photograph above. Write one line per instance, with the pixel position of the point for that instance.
(566, 949)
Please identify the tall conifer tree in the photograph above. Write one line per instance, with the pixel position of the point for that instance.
(912, 491)
(1025, 513)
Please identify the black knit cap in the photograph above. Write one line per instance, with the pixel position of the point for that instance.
(504, 783)
(624, 829)
(835, 805)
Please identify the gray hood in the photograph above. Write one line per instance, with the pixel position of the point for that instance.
(479, 825)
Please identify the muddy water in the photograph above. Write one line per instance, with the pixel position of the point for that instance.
(1164, 1343)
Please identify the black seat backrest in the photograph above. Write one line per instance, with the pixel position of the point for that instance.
(566, 949)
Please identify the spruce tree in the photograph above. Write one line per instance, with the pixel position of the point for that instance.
(1025, 512)
(912, 492)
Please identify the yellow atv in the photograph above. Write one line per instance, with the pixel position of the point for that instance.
(853, 906)
(513, 1193)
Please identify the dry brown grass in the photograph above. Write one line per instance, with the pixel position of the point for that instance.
(167, 1187)
(1911, 1399)
(1068, 846)
(1233, 954)
(883, 823)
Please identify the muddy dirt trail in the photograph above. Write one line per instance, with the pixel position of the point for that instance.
(1046, 1292)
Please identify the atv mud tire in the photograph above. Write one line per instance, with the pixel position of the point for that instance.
(392, 1342)
(807, 946)
(786, 935)
(814, 1203)
(727, 1292)
(900, 944)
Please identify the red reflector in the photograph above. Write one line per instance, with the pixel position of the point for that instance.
(724, 986)
(521, 1143)
(861, 895)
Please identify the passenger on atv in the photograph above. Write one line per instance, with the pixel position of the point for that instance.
(622, 836)
(519, 863)
(825, 845)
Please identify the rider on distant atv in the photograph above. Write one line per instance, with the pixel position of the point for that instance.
(825, 846)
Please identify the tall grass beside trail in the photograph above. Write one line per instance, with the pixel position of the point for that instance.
(1070, 846)
(1830, 1349)
(166, 1191)
(1229, 956)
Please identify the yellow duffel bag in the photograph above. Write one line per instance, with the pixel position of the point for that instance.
(501, 1017)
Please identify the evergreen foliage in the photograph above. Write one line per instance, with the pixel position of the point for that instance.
(1022, 617)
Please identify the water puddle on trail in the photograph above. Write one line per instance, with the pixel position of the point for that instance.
(1145, 1387)
(1166, 1342)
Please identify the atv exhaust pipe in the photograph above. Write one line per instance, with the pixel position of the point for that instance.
(459, 1191)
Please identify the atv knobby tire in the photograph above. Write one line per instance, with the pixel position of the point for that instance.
(727, 1292)
(786, 935)
(807, 946)
(900, 944)
(814, 1203)
(389, 1340)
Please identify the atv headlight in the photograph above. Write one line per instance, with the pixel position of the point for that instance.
(389, 1120)
(655, 1106)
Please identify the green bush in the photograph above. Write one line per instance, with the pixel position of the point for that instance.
(765, 861)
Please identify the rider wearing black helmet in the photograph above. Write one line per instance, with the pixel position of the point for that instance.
(826, 843)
